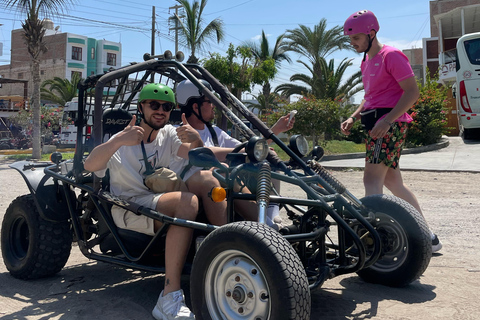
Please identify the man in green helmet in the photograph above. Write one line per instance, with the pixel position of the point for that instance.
(162, 144)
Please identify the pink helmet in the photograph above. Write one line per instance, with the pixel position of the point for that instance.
(361, 22)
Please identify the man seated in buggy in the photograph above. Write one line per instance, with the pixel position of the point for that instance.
(162, 144)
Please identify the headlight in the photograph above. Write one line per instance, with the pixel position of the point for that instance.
(299, 145)
(257, 149)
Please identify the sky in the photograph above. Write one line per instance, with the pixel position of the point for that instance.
(130, 22)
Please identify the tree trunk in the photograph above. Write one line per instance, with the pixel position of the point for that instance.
(35, 105)
(266, 94)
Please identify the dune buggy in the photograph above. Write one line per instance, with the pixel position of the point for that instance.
(243, 270)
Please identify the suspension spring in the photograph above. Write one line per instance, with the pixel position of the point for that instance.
(264, 183)
(327, 176)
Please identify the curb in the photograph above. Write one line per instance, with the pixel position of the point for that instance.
(29, 151)
(443, 143)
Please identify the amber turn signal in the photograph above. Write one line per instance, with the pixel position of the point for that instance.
(217, 194)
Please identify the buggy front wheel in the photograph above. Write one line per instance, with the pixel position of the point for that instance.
(246, 270)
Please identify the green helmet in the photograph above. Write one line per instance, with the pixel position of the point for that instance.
(157, 91)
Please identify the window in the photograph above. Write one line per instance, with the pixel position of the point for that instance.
(42, 72)
(20, 75)
(111, 59)
(77, 53)
(92, 53)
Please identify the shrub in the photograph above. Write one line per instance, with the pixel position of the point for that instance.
(50, 121)
(429, 114)
(315, 118)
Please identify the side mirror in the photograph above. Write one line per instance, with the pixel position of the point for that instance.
(203, 157)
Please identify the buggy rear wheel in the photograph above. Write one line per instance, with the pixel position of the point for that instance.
(246, 270)
(406, 242)
(33, 247)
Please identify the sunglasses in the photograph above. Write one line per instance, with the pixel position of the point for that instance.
(155, 105)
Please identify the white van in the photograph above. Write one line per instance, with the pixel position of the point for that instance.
(467, 87)
(68, 130)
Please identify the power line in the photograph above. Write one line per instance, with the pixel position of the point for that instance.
(238, 5)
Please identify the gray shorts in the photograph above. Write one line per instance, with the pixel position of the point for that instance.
(128, 220)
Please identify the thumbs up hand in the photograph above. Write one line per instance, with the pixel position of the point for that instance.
(131, 134)
(187, 134)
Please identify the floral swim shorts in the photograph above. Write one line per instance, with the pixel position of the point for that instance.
(388, 148)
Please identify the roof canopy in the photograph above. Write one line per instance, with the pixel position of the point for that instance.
(451, 22)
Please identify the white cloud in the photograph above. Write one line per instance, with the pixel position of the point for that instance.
(258, 37)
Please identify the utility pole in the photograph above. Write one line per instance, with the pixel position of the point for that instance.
(153, 32)
(176, 28)
(152, 49)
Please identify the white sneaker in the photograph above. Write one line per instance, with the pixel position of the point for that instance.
(172, 306)
(436, 244)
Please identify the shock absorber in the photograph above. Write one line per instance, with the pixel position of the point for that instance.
(333, 182)
(264, 185)
(327, 176)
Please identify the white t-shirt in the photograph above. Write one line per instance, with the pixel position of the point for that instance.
(224, 140)
(127, 166)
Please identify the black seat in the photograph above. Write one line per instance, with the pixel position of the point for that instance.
(113, 121)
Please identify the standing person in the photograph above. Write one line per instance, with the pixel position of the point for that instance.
(200, 111)
(122, 154)
(390, 91)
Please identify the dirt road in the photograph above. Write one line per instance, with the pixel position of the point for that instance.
(448, 289)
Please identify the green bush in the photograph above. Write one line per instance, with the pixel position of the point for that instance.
(429, 114)
(50, 119)
(316, 118)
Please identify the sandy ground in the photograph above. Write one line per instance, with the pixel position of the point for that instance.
(447, 290)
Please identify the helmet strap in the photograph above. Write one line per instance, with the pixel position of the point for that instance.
(146, 122)
(199, 114)
(370, 41)
(150, 135)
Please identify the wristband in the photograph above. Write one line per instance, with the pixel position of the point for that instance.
(389, 123)
(353, 118)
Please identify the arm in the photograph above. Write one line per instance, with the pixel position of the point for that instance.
(410, 95)
(348, 124)
(101, 154)
(283, 124)
(220, 152)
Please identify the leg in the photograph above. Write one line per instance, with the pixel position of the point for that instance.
(182, 205)
(394, 183)
(374, 178)
(382, 154)
(200, 184)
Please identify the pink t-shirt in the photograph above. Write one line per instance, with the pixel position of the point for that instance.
(380, 77)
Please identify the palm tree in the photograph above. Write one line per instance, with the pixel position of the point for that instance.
(262, 51)
(193, 31)
(264, 102)
(34, 31)
(324, 81)
(317, 43)
(60, 90)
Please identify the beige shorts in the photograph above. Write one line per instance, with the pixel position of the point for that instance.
(128, 220)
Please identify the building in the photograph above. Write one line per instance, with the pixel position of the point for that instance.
(67, 54)
(449, 20)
